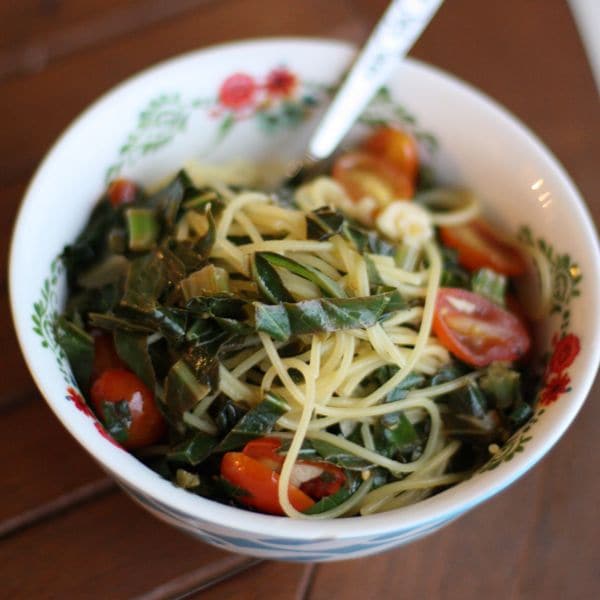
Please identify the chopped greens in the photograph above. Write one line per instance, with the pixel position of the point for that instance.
(218, 331)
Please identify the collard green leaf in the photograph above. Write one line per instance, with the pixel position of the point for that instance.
(192, 450)
(273, 320)
(453, 275)
(88, 248)
(145, 282)
(168, 199)
(226, 413)
(224, 305)
(112, 322)
(323, 223)
(182, 390)
(189, 380)
(78, 345)
(281, 321)
(325, 283)
(367, 241)
(132, 349)
(102, 300)
(268, 281)
(257, 422)
(396, 436)
(342, 458)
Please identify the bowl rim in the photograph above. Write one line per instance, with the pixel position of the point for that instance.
(439, 508)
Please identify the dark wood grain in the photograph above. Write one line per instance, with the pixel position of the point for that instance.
(108, 548)
(272, 580)
(40, 462)
(34, 33)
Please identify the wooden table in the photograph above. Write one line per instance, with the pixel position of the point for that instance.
(67, 531)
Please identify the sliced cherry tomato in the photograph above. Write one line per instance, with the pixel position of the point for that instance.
(329, 482)
(398, 147)
(265, 451)
(122, 191)
(261, 483)
(479, 246)
(476, 330)
(105, 355)
(145, 424)
(330, 479)
(366, 175)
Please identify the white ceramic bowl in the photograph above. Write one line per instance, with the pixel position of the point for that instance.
(149, 126)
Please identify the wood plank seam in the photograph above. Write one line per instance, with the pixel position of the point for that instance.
(201, 579)
(36, 56)
(49, 510)
(306, 583)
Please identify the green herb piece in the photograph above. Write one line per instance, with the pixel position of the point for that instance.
(469, 400)
(324, 315)
(226, 413)
(208, 280)
(396, 435)
(324, 223)
(89, 245)
(145, 282)
(502, 386)
(333, 501)
(167, 201)
(367, 241)
(79, 348)
(342, 458)
(111, 322)
(186, 480)
(453, 275)
(116, 417)
(132, 349)
(257, 422)
(142, 228)
(268, 281)
(490, 284)
(111, 270)
(325, 283)
(520, 414)
(193, 450)
(228, 306)
(189, 380)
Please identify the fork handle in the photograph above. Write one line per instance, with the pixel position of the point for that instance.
(394, 35)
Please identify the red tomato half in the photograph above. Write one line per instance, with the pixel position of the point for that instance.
(264, 450)
(476, 330)
(363, 174)
(328, 482)
(398, 147)
(479, 246)
(261, 483)
(147, 424)
(121, 191)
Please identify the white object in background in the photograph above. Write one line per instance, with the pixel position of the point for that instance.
(587, 17)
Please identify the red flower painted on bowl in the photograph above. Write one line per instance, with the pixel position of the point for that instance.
(77, 399)
(565, 351)
(281, 82)
(238, 91)
(555, 386)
